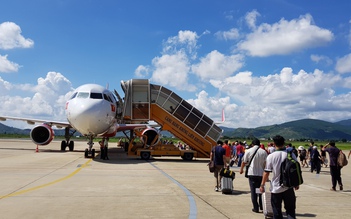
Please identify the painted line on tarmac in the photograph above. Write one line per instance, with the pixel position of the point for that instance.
(47, 184)
(192, 203)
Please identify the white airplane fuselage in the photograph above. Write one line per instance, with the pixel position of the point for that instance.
(92, 111)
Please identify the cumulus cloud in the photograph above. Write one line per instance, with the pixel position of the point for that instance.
(285, 37)
(8, 66)
(10, 37)
(172, 70)
(141, 71)
(44, 100)
(217, 65)
(343, 65)
(277, 98)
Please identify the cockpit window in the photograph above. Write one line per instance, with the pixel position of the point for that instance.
(107, 98)
(96, 95)
(83, 95)
(73, 96)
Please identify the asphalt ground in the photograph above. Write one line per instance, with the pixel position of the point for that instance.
(54, 184)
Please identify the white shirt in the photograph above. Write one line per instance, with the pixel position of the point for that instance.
(258, 163)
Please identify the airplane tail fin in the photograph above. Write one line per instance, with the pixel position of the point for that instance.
(223, 115)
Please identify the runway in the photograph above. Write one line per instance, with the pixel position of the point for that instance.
(55, 184)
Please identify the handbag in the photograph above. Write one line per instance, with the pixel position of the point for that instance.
(211, 164)
(247, 167)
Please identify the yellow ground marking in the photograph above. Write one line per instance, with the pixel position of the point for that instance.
(47, 184)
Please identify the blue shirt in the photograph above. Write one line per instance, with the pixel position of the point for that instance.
(219, 152)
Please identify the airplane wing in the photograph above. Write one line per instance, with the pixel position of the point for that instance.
(33, 121)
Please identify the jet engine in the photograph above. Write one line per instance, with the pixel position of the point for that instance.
(42, 134)
(150, 137)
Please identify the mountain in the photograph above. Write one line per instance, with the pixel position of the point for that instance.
(299, 129)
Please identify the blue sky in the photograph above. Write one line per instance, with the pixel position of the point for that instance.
(264, 62)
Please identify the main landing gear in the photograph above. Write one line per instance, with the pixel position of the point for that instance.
(67, 142)
(90, 152)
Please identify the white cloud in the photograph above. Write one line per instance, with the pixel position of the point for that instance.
(7, 66)
(217, 65)
(232, 34)
(343, 65)
(45, 100)
(321, 59)
(141, 71)
(10, 37)
(278, 98)
(185, 40)
(172, 70)
(251, 18)
(285, 37)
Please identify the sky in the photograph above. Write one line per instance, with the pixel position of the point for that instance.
(263, 62)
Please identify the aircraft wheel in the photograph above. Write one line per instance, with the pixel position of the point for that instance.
(145, 155)
(86, 153)
(93, 153)
(71, 145)
(188, 156)
(63, 145)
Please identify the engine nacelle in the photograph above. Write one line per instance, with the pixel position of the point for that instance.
(42, 134)
(151, 136)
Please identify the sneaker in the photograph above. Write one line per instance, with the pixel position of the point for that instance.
(216, 189)
(255, 210)
(341, 188)
(332, 189)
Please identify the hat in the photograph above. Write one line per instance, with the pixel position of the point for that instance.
(314, 147)
(244, 142)
(300, 148)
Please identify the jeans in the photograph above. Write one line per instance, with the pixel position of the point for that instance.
(289, 199)
(255, 182)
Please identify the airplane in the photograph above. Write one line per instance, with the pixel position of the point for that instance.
(93, 111)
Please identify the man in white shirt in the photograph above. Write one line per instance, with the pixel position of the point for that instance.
(279, 192)
(257, 156)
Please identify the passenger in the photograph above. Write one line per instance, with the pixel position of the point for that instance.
(348, 156)
(271, 148)
(256, 157)
(335, 170)
(227, 151)
(315, 160)
(324, 160)
(240, 150)
(234, 152)
(279, 193)
(218, 156)
(106, 149)
(303, 156)
(102, 150)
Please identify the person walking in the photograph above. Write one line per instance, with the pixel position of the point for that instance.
(335, 170)
(315, 160)
(254, 159)
(279, 192)
(219, 158)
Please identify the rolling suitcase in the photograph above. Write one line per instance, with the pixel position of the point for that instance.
(267, 205)
(227, 185)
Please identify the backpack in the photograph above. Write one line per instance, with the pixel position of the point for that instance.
(342, 161)
(290, 172)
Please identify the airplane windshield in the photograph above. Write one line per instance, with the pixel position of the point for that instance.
(96, 95)
(83, 95)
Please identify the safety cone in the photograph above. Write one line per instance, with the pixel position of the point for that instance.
(37, 149)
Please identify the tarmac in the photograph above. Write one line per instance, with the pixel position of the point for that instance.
(54, 184)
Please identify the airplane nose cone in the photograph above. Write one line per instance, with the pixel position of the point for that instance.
(88, 117)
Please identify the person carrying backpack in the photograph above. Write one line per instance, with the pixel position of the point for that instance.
(335, 169)
(279, 193)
